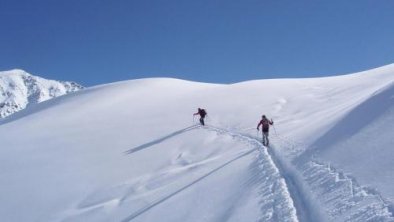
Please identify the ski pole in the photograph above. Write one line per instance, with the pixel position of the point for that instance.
(275, 131)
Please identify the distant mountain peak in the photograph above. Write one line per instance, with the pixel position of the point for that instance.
(18, 89)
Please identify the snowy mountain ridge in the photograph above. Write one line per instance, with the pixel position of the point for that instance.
(19, 89)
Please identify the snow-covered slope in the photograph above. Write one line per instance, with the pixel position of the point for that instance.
(131, 151)
(19, 89)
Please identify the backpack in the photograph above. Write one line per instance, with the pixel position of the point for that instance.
(265, 124)
(203, 113)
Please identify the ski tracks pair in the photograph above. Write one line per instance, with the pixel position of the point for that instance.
(275, 199)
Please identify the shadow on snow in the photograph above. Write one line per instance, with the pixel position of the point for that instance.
(157, 141)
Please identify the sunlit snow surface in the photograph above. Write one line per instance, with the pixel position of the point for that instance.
(132, 151)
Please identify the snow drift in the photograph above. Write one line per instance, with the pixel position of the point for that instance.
(131, 151)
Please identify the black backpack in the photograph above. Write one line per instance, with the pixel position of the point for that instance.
(203, 113)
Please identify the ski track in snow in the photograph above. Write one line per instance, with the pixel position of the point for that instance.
(306, 191)
(340, 195)
(275, 200)
(280, 207)
(150, 206)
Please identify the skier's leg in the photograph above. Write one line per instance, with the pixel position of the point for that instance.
(202, 121)
(265, 135)
(268, 142)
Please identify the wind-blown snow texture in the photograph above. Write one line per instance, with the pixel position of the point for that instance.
(19, 89)
(130, 151)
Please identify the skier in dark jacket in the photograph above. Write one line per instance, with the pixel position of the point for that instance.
(265, 123)
(202, 114)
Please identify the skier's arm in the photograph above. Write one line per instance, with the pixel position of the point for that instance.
(272, 122)
(258, 125)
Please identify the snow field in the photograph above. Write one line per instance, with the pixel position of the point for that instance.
(130, 151)
(192, 181)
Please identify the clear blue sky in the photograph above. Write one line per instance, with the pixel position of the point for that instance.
(224, 41)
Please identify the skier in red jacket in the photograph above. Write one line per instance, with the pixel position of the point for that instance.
(265, 123)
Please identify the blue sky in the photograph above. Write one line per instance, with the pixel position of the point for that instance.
(223, 41)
